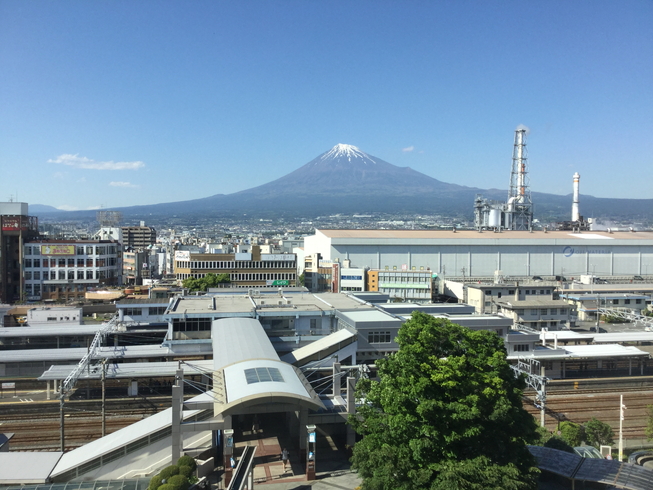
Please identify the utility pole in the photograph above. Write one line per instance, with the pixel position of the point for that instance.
(622, 407)
(104, 415)
(61, 419)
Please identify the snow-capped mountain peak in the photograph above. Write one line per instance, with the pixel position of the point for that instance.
(346, 151)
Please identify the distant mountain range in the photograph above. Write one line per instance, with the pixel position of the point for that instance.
(347, 180)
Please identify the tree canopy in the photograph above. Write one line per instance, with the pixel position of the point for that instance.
(445, 413)
(210, 280)
(598, 433)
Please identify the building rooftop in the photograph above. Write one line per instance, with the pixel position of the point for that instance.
(473, 234)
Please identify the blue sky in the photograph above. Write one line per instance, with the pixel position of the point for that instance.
(118, 103)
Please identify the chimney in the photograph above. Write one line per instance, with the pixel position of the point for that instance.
(575, 213)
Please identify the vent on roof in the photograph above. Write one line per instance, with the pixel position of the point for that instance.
(259, 375)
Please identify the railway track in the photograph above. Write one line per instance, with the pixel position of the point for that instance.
(603, 405)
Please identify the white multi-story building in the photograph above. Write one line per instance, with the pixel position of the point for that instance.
(66, 269)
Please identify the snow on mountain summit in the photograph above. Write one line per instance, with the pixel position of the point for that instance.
(346, 151)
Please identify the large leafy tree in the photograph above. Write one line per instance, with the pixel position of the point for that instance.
(445, 413)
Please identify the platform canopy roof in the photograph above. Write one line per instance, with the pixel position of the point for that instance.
(250, 373)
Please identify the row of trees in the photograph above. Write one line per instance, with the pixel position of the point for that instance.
(211, 280)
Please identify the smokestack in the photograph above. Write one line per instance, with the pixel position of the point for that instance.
(575, 214)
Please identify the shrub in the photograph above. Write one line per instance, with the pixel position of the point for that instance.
(169, 471)
(556, 442)
(166, 486)
(155, 482)
(598, 433)
(179, 482)
(572, 433)
(186, 471)
(187, 461)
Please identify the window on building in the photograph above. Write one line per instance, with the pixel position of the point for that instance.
(71, 262)
(71, 275)
(522, 348)
(80, 262)
(37, 275)
(28, 275)
(626, 301)
(89, 250)
(80, 274)
(499, 332)
(615, 301)
(528, 291)
(61, 263)
(534, 312)
(89, 274)
(80, 250)
(313, 323)
(520, 311)
(62, 275)
(548, 291)
(28, 263)
(133, 312)
(378, 337)
(37, 262)
(554, 311)
(28, 250)
(638, 301)
(37, 290)
(544, 311)
(511, 291)
(53, 275)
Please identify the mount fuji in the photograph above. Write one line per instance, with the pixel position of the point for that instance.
(347, 180)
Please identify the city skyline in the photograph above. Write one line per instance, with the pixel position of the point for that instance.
(113, 104)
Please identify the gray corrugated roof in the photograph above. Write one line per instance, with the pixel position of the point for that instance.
(240, 339)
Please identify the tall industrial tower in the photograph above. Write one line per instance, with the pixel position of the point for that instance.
(519, 211)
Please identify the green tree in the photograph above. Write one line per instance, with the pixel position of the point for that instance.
(649, 425)
(210, 280)
(556, 442)
(445, 413)
(598, 433)
(572, 433)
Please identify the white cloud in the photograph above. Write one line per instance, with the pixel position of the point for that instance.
(83, 162)
(407, 149)
(66, 207)
(523, 126)
(122, 184)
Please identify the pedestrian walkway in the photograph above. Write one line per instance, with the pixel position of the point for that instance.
(270, 438)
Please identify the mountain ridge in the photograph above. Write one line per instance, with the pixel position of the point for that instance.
(344, 179)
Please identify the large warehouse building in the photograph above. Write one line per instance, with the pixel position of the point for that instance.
(480, 254)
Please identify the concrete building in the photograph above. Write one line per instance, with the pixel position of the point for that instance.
(16, 227)
(403, 284)
(63, 270)
(138, 237)
(474, 254)
(247, 268)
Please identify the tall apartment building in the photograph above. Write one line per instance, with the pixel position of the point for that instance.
(251, 269)
(16, 227)
(63, 270)
(138, 237)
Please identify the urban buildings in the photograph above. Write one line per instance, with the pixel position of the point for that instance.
(247, 269)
